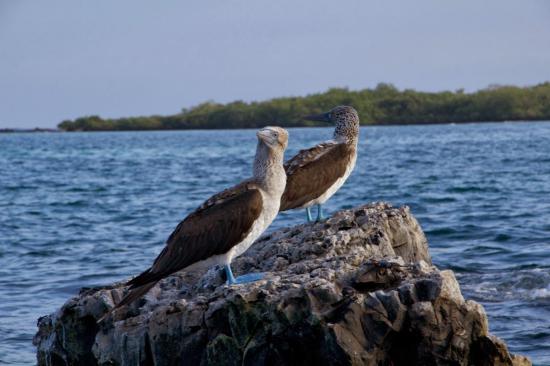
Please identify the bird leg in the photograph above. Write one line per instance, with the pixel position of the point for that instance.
(308, 212)
(250, 277)
(229, 274)
(320, 216)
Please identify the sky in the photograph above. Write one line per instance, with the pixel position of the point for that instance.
(62, 59)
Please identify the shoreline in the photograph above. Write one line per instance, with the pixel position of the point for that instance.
(56, 130)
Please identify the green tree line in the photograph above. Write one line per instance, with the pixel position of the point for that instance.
(384, 104)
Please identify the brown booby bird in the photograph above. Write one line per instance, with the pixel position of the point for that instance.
(225, 225)
(315, 174)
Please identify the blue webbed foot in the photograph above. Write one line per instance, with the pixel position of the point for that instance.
(247, 278)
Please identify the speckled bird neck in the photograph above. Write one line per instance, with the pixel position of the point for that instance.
(347, 124)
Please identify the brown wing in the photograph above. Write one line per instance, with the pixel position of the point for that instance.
(214, 228)
(313, 171)
(307, 156)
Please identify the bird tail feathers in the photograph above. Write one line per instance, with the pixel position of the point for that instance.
(134, 294)
(142, 279)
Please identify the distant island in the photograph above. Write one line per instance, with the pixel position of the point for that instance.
(19, 130)
(385, 105)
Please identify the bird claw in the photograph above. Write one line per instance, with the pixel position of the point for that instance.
(321, 219)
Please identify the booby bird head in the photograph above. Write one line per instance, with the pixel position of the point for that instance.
(274, 137)
(344, 117)
(342, 114)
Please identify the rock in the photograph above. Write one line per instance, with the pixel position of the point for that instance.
(358, 289)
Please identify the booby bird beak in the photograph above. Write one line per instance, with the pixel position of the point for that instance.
(323, 117)
(264, 134)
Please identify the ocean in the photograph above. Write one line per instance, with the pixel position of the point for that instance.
(88, 209)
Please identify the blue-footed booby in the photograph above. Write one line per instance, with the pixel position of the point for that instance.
(225, 225)
(315, 174)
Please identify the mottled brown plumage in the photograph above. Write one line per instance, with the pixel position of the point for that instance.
(313, 171)
(214, 228)
(219, 224)
(314, 174)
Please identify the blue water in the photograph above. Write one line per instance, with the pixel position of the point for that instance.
(86, 209)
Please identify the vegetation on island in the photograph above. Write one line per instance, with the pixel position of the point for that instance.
(384, 104)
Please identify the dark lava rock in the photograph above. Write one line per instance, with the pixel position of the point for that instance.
(358, 289)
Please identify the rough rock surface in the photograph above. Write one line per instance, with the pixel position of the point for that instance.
(357, 289)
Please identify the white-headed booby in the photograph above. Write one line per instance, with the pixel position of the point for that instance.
(224, 226)
(315, 174)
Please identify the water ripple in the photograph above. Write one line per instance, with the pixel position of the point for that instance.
(86, 209)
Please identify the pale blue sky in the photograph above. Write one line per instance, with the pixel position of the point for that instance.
(62, 59)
